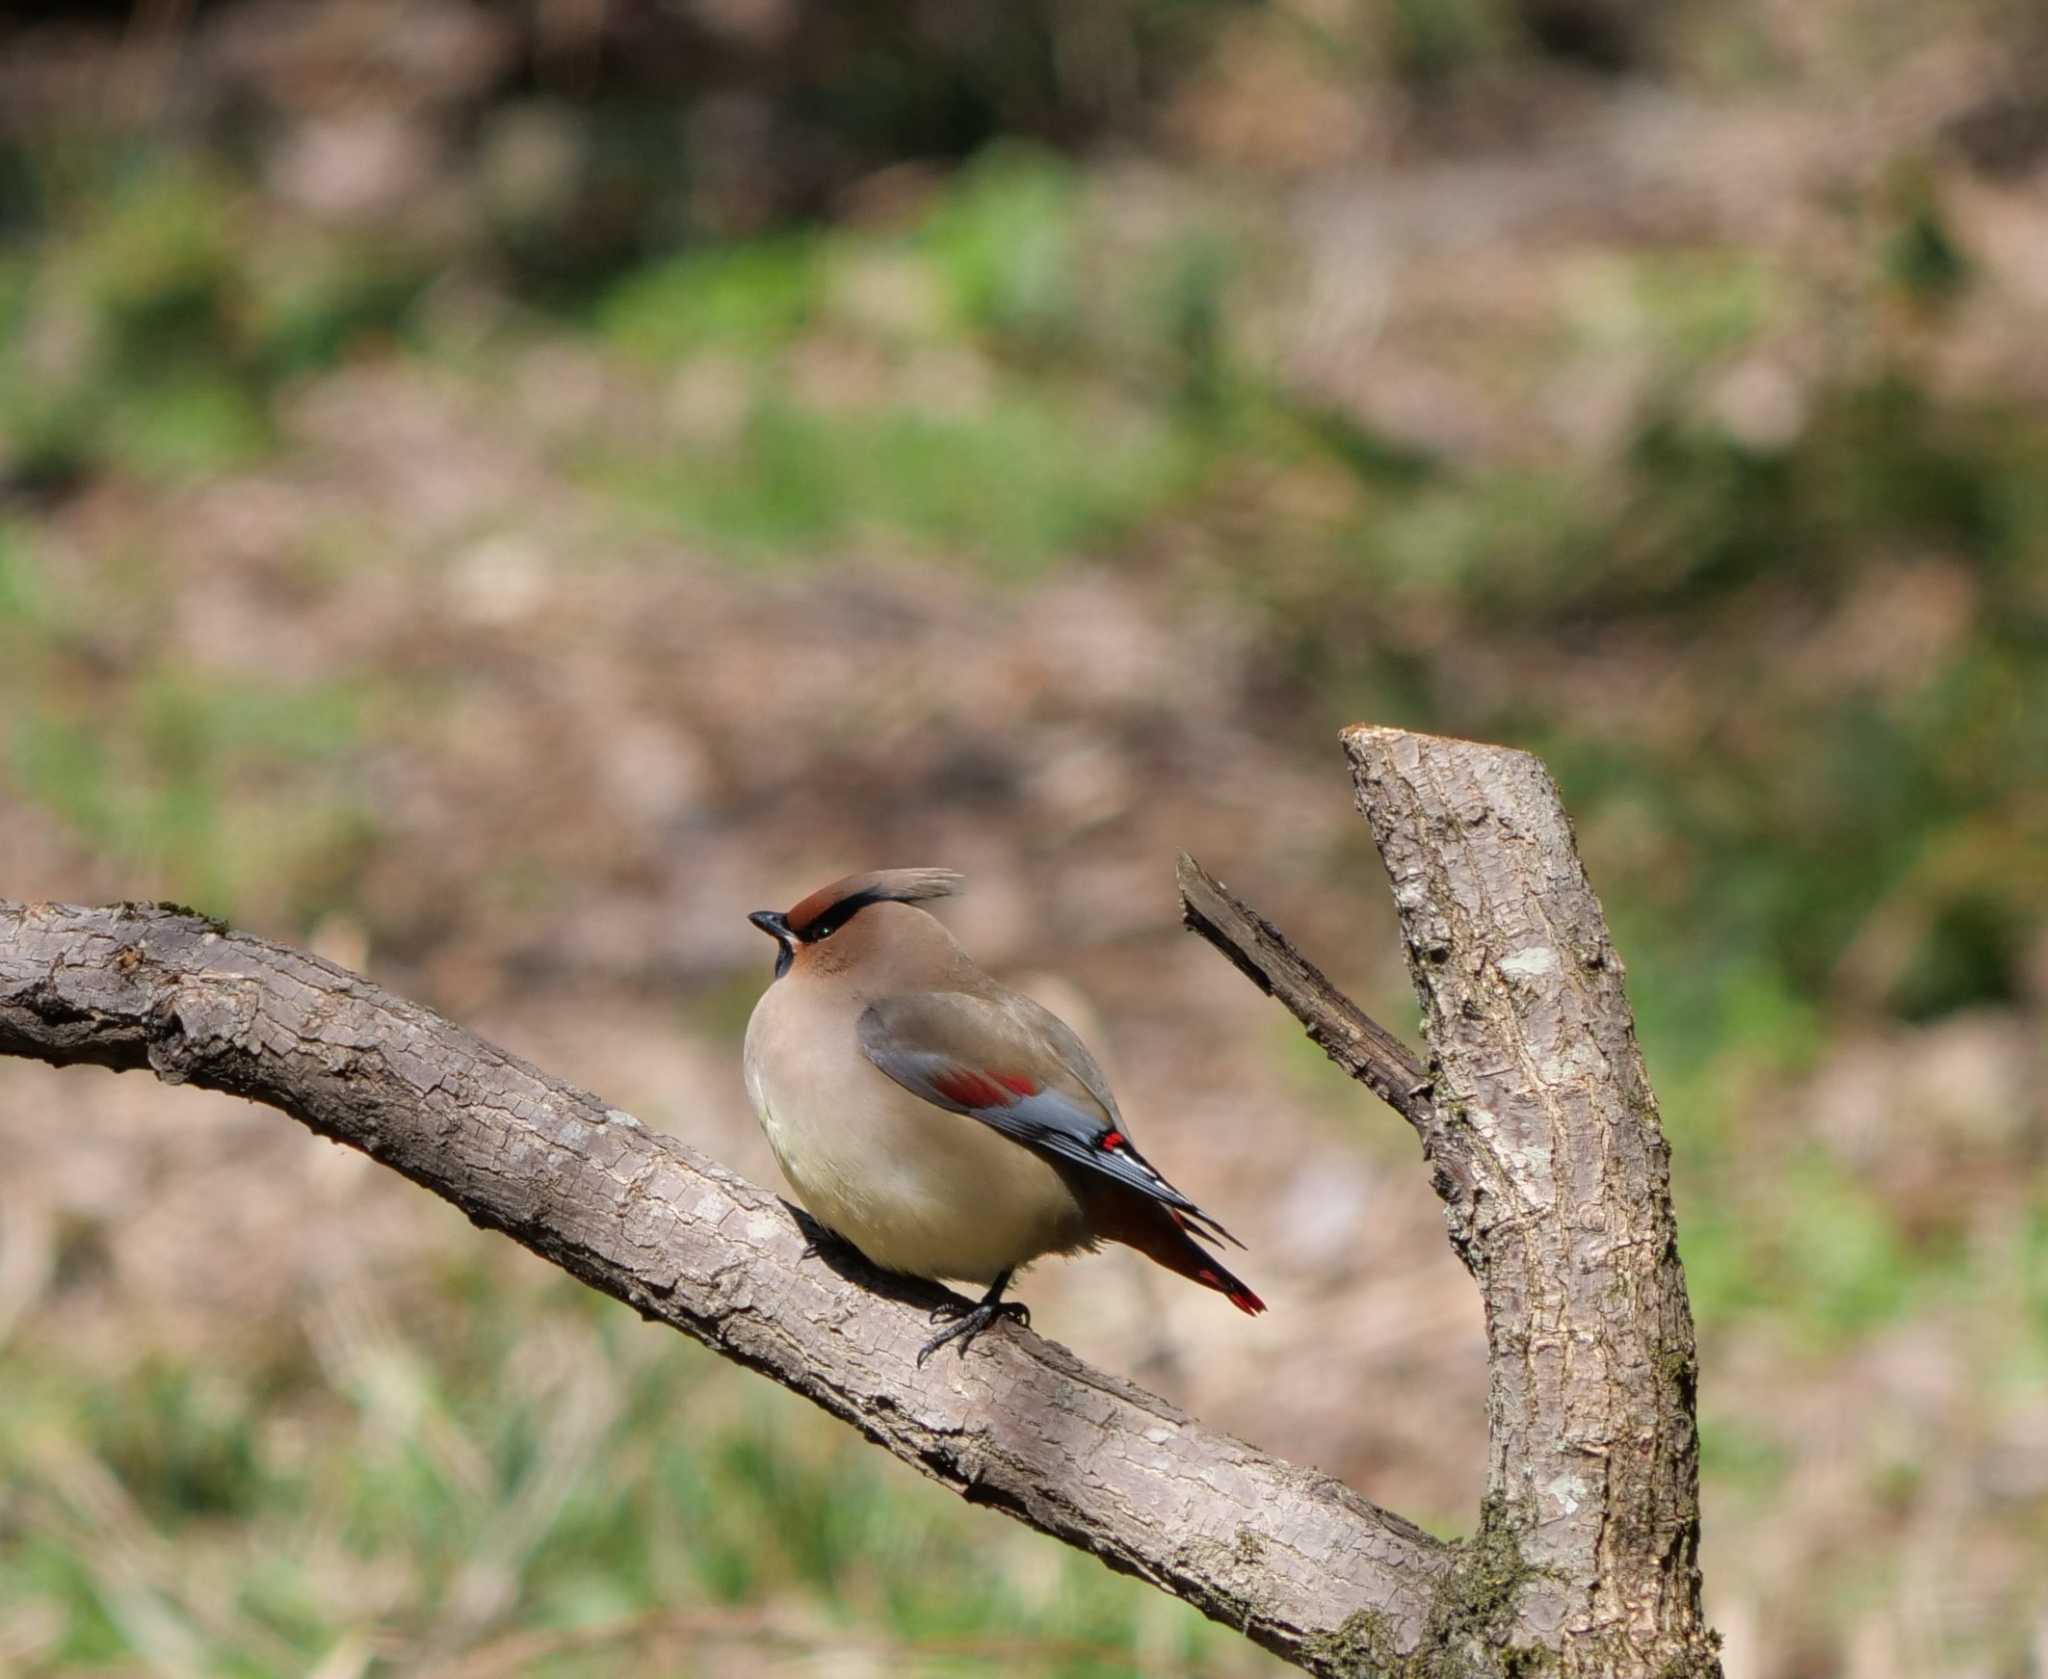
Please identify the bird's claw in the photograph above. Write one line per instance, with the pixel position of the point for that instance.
(970, 1322)
(946, 1310)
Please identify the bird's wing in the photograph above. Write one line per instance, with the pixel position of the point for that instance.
(1003, 1064)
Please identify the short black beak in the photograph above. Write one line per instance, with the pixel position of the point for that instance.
(776, 925)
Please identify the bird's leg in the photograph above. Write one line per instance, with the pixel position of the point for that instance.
(972, 1320)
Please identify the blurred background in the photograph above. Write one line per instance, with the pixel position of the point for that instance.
(495, 493)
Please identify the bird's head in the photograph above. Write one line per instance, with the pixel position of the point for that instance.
(815, 919)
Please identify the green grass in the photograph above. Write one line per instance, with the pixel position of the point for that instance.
(983, 422)
(153, 328)
(175, 775)
(195, 778)
(594, 1484)
(1013, 488)
(747, 300)
(1005, 243)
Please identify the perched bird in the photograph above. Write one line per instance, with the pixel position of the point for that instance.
(943, 1124)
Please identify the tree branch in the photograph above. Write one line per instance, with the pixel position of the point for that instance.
(1559, 1198)
(1533, 1110)
(1284, 1554)
(1261, 952)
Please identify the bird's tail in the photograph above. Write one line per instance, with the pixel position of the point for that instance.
(1161, 1234)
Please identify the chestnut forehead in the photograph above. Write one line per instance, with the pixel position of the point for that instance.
(807, 910)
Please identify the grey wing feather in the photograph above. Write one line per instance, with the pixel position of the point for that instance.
(1071, 1050)
(907, 1039)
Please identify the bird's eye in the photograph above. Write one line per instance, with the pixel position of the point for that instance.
(830, 921)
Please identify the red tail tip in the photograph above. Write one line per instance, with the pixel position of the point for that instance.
(1233, 1291)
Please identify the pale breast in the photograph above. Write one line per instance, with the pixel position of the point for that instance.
(915, 1188)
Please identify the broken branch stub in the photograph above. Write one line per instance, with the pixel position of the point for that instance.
(1538, 1121)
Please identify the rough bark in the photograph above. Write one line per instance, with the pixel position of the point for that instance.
(1533, 1109)
(1557, 1191)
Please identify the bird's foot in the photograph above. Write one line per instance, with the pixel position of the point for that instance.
(946, 1310)
(970, 1321)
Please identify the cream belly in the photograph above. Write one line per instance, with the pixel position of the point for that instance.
(917, 1189)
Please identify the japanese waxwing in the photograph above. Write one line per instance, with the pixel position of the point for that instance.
(943, 1124)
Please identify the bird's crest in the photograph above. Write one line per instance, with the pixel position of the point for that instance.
(831, 907)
